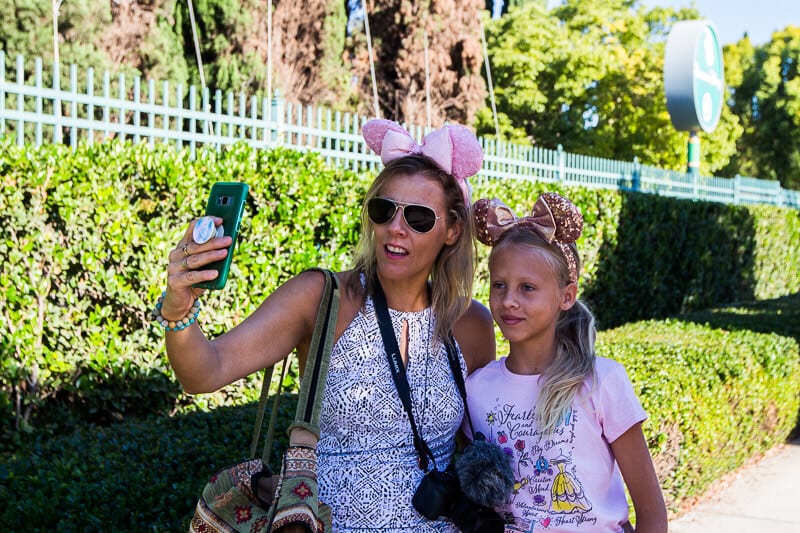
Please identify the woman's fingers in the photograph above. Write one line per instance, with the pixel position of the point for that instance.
(187, 259)
(186, 270)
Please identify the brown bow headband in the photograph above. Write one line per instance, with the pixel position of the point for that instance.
(556, 219)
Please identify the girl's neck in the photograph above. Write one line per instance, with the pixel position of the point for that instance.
(529, 359)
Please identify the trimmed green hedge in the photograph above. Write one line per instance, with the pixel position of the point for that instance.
(89, 231)
(137, 475)
(715, 398)
(84, 256)
(83, 253)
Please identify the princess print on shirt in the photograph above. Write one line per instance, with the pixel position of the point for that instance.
(547, 489)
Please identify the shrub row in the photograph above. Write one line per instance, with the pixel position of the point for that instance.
(87, 234)
(715, 398)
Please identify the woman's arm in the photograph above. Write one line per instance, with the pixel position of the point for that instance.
(636, 465)
(283, 321)
(474, 332)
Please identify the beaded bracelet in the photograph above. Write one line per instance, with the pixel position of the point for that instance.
(175, 325)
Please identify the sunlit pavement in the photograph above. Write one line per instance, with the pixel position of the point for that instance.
(764, 498)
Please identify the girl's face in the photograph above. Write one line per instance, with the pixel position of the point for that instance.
(524, 296)
(402, 252)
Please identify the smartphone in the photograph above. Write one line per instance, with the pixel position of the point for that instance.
(227, 202)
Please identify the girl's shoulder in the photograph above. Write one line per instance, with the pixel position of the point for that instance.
(609, 377)
(604, 366)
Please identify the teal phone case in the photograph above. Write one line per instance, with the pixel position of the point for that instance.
(226, 201)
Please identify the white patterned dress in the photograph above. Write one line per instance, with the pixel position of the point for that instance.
(367, 461)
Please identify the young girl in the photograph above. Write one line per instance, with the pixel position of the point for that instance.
(569, 420)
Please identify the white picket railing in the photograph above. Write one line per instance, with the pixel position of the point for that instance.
(157, 112)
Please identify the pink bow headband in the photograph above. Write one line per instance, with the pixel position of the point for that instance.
(452, 148)
(557, 220)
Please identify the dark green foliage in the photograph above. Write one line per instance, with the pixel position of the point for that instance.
(780, 315)
(84, 262)
(138, 475)
(715, 397)
(94, 426)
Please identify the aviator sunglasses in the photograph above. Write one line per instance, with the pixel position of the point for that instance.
(420, 218)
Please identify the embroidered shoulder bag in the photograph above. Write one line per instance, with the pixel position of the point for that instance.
(247, 497)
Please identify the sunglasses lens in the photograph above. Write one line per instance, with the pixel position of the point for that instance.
(420, 218)
(381, 210)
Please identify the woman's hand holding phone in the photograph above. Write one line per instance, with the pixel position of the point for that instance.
(202, 258)
(185, 269)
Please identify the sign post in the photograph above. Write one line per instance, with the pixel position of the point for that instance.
(694, 82)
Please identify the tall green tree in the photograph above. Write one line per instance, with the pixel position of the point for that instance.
(589, 75)
(766, 98)
(26, 28)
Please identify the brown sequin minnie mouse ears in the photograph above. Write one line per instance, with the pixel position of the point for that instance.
(556, 219)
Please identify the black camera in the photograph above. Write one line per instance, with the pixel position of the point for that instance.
(439, 495)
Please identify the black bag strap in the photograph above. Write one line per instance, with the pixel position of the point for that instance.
(398, 371)
(312, 384)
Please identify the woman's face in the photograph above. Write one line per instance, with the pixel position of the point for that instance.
(401, 252)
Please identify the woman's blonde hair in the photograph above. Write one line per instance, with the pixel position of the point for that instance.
(454, 267)
(575, 334)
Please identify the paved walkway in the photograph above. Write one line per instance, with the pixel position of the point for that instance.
(764, 498)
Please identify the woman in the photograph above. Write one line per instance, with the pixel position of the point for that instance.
(416, 245)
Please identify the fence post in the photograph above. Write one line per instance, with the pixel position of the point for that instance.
(636, 176)
(73, 90)
(193, 121)
(737, 189)
(90, 104)
(137, 93)
(37, 80)
(57, 132)
(21, 101)
(276, 116)
(779, 194)
(561, 163)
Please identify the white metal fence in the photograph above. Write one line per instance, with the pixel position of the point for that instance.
(153, 112)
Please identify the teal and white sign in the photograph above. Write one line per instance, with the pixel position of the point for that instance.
(694, 80)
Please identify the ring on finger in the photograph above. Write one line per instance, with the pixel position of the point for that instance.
(185, 250)
(185, 263)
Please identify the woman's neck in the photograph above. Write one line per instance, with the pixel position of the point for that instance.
(406, 295)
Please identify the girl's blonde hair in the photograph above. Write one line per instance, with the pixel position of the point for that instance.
(575, 334)
(453, 269)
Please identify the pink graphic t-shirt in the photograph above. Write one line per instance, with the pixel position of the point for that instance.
(566, 481)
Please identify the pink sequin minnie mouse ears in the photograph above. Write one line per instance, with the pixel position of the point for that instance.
(556, 219)
(452, 148)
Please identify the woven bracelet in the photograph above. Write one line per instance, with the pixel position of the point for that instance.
(175, 325)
